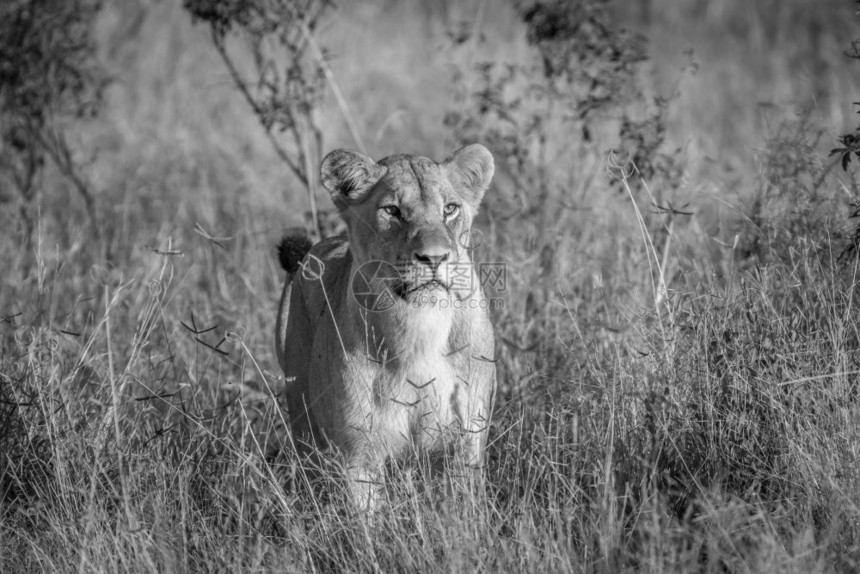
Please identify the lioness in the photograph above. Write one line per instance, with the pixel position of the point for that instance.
(384, 335)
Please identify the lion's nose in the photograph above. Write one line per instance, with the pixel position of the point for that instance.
(433, 259)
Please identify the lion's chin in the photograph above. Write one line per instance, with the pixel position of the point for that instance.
(427, 295)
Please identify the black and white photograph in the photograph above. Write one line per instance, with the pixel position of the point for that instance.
(443, 286)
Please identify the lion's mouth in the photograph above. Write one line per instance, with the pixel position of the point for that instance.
(405, 290)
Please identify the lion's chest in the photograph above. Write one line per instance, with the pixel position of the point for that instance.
(417, 393)
(419, 400)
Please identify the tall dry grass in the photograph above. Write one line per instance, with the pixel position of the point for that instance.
(675, 395)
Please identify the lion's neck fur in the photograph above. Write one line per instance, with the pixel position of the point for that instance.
(408, 352)
(405, 332)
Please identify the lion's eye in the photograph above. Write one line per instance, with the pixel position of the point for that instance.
(451, 209)
(391, 210)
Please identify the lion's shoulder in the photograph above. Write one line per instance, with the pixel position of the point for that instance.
(324, 273)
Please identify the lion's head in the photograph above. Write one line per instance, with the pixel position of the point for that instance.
(409, 219)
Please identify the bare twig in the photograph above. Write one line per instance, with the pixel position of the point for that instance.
(258, 111)
(335, 89)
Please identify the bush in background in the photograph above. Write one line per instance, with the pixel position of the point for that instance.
(290, 78)
(49, 76)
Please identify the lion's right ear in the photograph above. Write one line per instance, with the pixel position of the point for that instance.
(472, 167)
(349, 175)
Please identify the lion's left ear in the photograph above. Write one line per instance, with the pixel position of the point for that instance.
(472, 167)
(349, 175)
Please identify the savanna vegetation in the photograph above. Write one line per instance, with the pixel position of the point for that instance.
(676, 208)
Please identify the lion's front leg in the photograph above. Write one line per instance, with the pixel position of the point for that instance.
(475, 427)
(469, 459)
(365, 487)
(365, 478)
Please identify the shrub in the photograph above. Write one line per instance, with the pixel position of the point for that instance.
(290, 77)
(49, 75)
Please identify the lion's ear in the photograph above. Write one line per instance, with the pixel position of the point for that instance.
(473, 167)
(348, 175)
